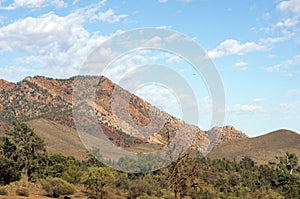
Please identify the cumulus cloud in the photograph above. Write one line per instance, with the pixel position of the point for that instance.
(233, 47)
(290, 6)
(57, 45)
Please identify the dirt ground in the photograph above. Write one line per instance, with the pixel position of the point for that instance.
(35, 191)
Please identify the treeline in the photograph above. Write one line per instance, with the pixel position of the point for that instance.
(23, 155)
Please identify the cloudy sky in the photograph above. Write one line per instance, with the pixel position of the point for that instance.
(255, 46)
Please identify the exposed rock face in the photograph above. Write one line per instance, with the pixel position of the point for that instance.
(5, 85)
(41, 97)
(227, 133)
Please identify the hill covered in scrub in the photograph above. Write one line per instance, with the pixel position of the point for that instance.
(262, 149)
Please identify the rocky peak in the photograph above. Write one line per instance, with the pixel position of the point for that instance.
(227, 133)
(5, 85)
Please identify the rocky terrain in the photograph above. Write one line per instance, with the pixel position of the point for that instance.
(51, 99)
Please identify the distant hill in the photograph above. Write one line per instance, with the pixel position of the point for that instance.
(261, 149)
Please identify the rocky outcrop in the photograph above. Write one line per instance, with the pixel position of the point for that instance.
(227, 133)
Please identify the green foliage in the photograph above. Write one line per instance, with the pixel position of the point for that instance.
(7, 147)
(72, 174)
(22, 192)
(26, 148)
(288, 163)
(58, 164)
(23, 152)
(9, 171)
(57, 186)
(144, 186)
(97, 181)
(143, 164)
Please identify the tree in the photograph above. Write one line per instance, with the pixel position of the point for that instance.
(25, 147)
(7, 147)
(97, 180)
(180, 173)
(9, 171)
(288, 163)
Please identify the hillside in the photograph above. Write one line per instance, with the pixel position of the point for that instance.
(261, 149)
(39, 97)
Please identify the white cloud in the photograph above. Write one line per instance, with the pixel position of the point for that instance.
(34, 4)
(240, 65)
(258, 100)
(56, 45)
(233, 47)
(285, 65)
(162, 1)
(287, 23)
(273, 68)
(274, 40)
(290, 6)
(43, 34)
(246, 108)
(110, 17)
(294, 61)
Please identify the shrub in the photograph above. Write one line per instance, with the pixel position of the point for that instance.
(22, 192)
(72, 174)
(97, 181)
(9, 171)
(57, 186)
(3, 192)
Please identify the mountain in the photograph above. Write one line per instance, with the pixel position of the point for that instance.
(40, 100)
(261, 149)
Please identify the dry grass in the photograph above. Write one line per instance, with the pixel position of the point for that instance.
(261, 149)
(35, 190)
(59, 138)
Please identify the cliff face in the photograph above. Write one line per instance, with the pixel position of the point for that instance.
(48, 98)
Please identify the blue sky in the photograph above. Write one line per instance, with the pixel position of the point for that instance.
(255, 46)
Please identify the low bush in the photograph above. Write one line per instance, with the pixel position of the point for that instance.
(22, 192)
(57, 186)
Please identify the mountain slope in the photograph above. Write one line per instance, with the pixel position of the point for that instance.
(59, 138)
(51, 99)
(261, 149)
